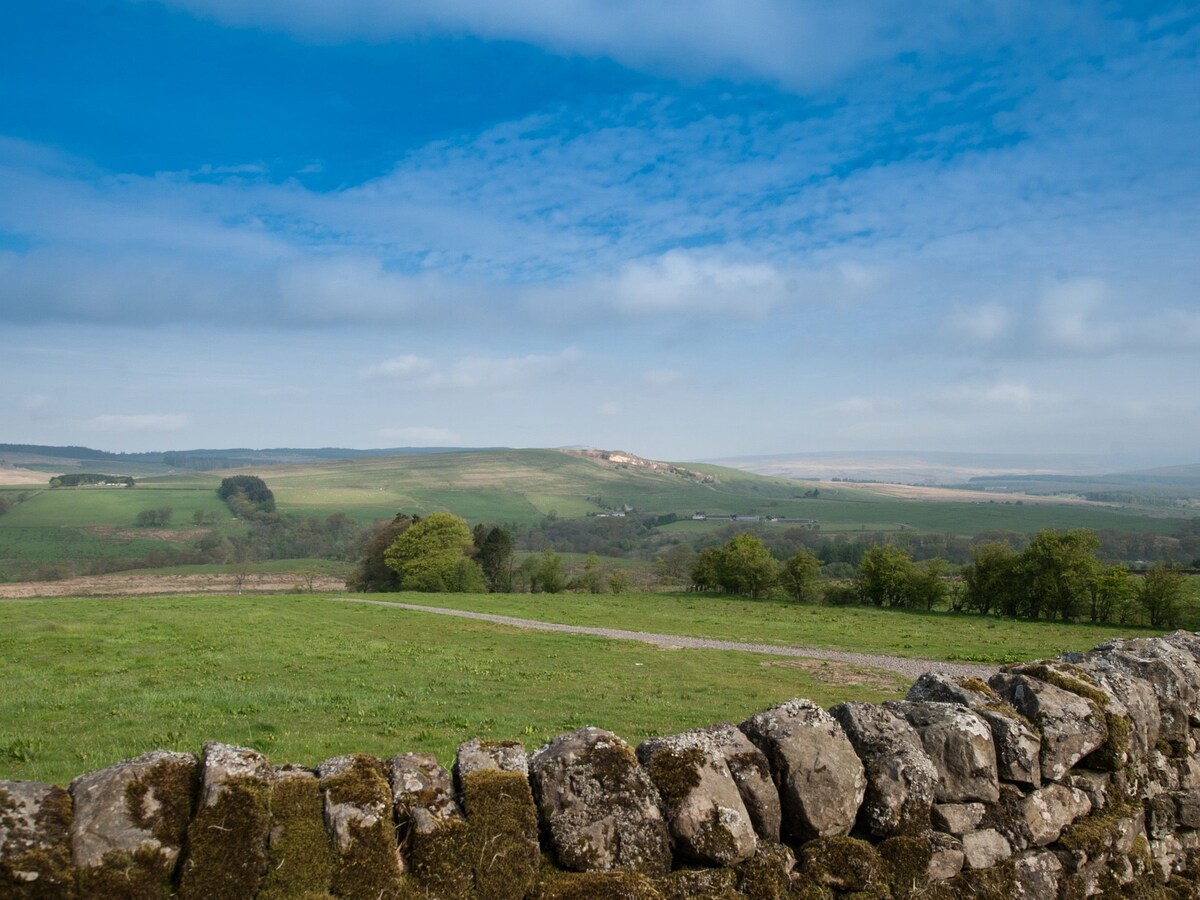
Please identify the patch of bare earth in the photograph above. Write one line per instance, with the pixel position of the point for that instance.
(124, 585)
(17, 475)
(958, 495)
(831, 672)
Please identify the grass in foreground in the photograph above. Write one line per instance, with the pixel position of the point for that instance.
(89, 682)
(920, 635)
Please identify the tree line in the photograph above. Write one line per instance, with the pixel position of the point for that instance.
(1057, 576)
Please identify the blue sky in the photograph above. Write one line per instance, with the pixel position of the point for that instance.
(682, 229)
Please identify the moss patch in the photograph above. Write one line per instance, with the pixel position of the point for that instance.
(1095, 835)
(597, 886)
(676, 773)
(503, 829)
(907, 860)
(143, 874)
(439, 862)
(842, 863)
(997, 883)
(767, 874)
(171, 786)
(366, 868)
(301, 857)
(51, 860)
(700, 884)
(227, 844)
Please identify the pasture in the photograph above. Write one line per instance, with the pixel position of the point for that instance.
(89, 682)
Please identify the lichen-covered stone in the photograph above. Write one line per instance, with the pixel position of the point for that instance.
(983, 849)
(1071, 726)
(957, 818)
(820, 778)
(1048, 810)
(1172, 672)
(938, 687)
(600, 808)
(129, 824)
(901, 779)
(752, 774)
(959, 743)
(1037, 875)
(707, 819)
(430, 826)
(301, 858)
(1136, 696)
(35, 847)
(227, 838)
(502, 836)
(358, 816)
(946, 857)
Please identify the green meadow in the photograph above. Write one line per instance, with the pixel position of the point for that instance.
(88, 682)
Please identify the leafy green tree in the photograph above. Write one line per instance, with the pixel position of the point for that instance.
(618, 582)
(374, 574)
(1161, 596)
(741, 566)
(885, 575)
(675, 562)
(1112, 594)
(592, 579)
(252, 488)
(495, 557)
(428, 554)
(706, 575)
(927, 587)
(798, 574)
(548, 576)
(993, 579)
(1058, 569)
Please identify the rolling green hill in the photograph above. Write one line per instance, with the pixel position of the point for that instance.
(71, 527)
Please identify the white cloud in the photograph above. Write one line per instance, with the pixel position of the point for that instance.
(790, 43)
(421, 436)
(661, 378)
(1070, 316)
(140, 422)
(610, 408)
(471, 373)
(985, 324)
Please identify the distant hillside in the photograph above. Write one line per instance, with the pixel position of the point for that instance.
(47, 458)
(1167, 486)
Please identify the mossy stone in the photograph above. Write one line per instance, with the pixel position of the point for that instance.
(842, 863)
(768, 873)
(503, 833)
(997, 883)
(227, 843)
(439, 861)
(700, 884)
(366, 865)
(50, 859)
(300, 854)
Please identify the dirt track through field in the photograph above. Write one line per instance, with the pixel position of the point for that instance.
(909, 668)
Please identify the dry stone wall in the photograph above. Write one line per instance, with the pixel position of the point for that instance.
(1067, 778)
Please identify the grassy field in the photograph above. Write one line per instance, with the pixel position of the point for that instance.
(89, 682)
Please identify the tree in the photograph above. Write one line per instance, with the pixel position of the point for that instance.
(548, 576)
(592, 579)
(1112, 595)
(993, 579)
(798, 573)
(927, 587)
(1058, 569)
(1160, 596)
(675, 561)
(495, 556)
(885, 574)
(741, 566)
(428, 555)
(374, 574)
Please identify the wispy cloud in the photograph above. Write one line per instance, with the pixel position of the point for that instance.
(422, 436)
(470, 373)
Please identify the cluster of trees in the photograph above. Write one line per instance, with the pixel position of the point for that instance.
(744, 565)
(440, 552)
(247, 496)
(81, 478)
(151, 517)
(1058, 576)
